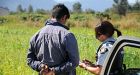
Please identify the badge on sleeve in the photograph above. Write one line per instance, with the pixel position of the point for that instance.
(103, 50)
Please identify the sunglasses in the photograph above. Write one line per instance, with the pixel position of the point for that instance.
(98, 35)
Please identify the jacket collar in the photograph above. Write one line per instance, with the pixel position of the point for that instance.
(55, 23)
(109, 39)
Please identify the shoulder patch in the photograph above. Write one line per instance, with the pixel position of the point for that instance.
(103, 50)
(109, 43)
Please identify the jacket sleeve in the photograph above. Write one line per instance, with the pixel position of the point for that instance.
(71, 48)
(31, 57)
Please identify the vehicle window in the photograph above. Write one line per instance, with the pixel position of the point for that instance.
(131, 57)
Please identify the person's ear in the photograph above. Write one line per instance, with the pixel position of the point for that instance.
(64, 17)
(101, 36)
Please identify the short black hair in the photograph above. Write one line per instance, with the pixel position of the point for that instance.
(59, 11)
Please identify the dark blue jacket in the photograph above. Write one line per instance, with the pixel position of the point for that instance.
(55, 46)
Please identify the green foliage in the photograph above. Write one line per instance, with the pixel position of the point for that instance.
(41, 11)
(32, 17)
(138, 19)
(77, 7)
(121, 7)
(116, 1)
(19, 9)
(81, 20)
(135, 7)
(89, 11)
(15, 40)
(79, 17)
(3, 20)
(103, 16)
(132, 55)
(30, 9)
(15, 35)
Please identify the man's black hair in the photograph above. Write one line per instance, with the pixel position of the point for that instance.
(59, 11)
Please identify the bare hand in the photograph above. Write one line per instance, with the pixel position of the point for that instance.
(82, 65)
(88, 63)
(44, 72)
(44, 69)
(50, 73)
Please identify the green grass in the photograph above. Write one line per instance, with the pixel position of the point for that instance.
(14, 41)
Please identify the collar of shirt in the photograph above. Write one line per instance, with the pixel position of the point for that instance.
(55, 23)
(109, 39)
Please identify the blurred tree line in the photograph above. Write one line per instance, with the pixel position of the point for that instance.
(120, 7)
(77, 8)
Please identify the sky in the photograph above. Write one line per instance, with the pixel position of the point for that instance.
(97, 5)
(132, 1)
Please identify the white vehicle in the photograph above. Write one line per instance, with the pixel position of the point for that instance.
(120, 43)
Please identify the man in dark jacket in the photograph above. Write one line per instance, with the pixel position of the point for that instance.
(54, 48)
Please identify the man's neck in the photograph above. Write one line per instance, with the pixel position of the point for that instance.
(55, 20)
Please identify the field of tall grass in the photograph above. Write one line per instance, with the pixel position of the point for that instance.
(16, 30)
